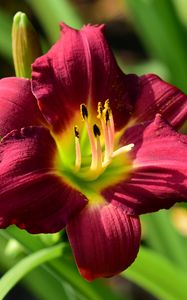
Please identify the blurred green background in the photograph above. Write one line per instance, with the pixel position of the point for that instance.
(147, 36)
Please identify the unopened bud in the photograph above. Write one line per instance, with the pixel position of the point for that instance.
(25, 45)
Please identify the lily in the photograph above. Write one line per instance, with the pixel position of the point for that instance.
(87, 148)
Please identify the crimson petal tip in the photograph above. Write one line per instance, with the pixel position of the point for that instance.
(105, 240)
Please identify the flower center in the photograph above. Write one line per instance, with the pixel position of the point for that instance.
(102, 147)
(96, 160)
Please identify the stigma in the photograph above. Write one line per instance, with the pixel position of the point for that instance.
(101, 139)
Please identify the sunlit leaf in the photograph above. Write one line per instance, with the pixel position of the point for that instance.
(158, 275)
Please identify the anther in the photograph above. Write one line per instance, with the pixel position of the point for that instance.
(110, 126)
(97, 162)
(100, 159)
(104, 116)
(107, 115)
(99, 110)
(106, 105)
(76, 131)
(84, 111)
(96, 130)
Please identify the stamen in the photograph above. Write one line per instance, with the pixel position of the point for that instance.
(99, 110)
(106, 116)
(96, 130)
(76, 131)
(84, 113)
(77, 149)
(103, 115)
(106, 105)
(97, 133)
(111, 133)
(99, 160)
(106, 140)
(108, 130)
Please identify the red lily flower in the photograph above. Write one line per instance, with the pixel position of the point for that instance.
(122, 159)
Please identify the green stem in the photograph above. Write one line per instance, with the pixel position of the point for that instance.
(9, 280)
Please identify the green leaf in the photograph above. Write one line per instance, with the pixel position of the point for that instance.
(162, 236)
(64, 269)
(181, 7)
(148, 66)
(31, 242)
(26, 265)
(158, 276)
(163, 35)
(96, 290)
(5, 35)
(60, 10)
(35, 281)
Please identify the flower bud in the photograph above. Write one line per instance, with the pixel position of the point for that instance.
(25, 45)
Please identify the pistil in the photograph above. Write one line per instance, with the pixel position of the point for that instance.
(122, 150)
(98, 162)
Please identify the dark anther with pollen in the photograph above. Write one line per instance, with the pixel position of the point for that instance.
(84, 111)
(76, 131)
(100, 108)
(96, 130)
(107, 115)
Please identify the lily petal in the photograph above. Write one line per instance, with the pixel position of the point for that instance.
(18, 105)
(80, 68)
(159, 176)
(105, 240)
(157, 96)
(32, 194)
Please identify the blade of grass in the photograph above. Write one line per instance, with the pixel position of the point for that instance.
(162, 236)
(35, 281)
(66, 263)
(181, 7)
(26, 265)
(64, 269)
(158, 276)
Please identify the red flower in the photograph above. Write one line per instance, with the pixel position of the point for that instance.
(122, 159)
